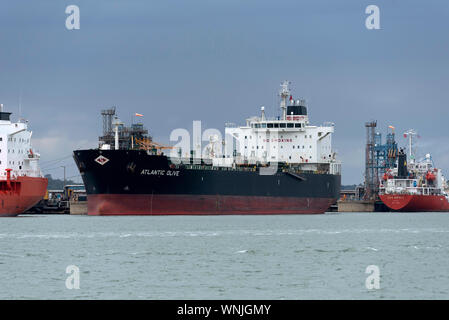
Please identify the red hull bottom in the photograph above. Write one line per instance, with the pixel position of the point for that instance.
(415, 203)
(120, 204)
(24, 193)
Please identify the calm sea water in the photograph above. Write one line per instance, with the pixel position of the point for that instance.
(226, 257)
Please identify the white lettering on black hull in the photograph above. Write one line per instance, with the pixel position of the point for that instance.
(149, 172)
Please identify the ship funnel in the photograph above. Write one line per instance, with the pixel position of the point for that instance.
(402, 164)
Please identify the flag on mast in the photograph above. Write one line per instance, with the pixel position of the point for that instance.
(138, 115)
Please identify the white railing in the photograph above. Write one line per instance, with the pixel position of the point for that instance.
(26, 173)
(410, 190)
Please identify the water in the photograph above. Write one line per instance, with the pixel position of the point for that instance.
(226, 257)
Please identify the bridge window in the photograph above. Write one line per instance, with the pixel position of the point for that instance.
(289, 125)
(269, 125)
(297, 125)
(276, 125)
(282, 125)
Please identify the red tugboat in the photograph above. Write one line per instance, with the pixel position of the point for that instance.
(416, 186)
(21, 181)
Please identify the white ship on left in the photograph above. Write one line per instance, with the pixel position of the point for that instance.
(21, 182)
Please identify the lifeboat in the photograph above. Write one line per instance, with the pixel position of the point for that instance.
(430, 176)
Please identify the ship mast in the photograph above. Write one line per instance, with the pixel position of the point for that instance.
(116, 123)
(409, 134)
(284, 93)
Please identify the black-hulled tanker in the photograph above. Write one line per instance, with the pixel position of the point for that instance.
(268, 166)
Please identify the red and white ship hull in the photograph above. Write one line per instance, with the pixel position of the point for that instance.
(415, 203)
(19, 194)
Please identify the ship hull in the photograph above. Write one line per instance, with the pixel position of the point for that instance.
(415, 203)
(119, 204)
(21, 194)
(132, 182)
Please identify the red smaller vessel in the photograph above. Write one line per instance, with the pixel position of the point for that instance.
(416, 186)
(21, 182)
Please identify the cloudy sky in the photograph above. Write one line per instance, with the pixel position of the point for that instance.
(219, 61)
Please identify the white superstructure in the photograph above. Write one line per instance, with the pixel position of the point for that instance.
(288, 139)
(423, 179)
(16, 152)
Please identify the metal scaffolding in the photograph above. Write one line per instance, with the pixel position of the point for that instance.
(127, 134)
(107, 115)
(371, 174)
(378, 158)
(385, 155)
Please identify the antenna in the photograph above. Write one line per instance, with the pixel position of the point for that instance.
(20, 104)
(409, 134)
(284, 93)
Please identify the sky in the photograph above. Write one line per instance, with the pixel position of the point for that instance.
(219, 61)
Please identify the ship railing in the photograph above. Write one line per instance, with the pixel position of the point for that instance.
(25, 173)
(31, 173)
(246, 168)
(210, 167)
(412, 190)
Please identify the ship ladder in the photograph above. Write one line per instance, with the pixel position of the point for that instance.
(297, 176)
